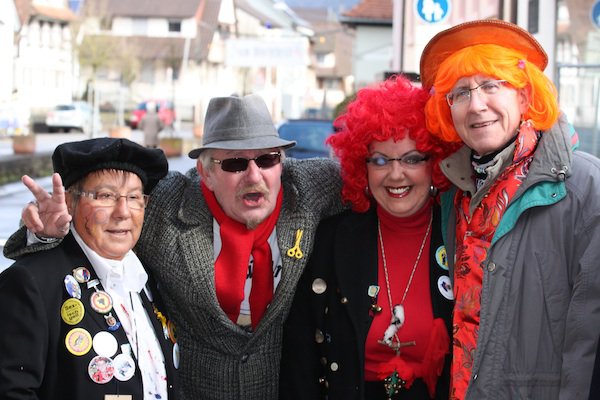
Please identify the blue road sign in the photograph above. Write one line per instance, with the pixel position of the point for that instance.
(595, 14)
(433, 11)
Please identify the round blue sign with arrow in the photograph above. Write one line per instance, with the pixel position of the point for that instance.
(432, 11)
(595, 14)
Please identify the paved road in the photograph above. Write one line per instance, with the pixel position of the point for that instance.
(14, 196)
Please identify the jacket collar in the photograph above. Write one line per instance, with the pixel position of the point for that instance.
(552, 160)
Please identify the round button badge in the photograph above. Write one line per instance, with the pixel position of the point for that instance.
(72, 311)
(441, 256)
(124, 367)
(176, 355)
(105, 344)
(78, 341)
(101, 302)
(72, 287)
(445, 287)
(101, 369)
(81, 274)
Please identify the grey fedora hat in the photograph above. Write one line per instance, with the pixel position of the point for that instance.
(239, 123)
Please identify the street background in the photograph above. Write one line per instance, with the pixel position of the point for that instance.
(14, 196)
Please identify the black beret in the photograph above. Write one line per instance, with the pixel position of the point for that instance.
(75, 160)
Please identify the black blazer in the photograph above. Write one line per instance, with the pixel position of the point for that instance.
(333, 327)
(34, 360)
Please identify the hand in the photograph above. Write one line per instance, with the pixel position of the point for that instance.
(48, 216)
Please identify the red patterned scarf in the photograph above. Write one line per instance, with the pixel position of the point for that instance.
(474, 236)
(231, 266)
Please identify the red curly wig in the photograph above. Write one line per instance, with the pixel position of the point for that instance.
(390, 109)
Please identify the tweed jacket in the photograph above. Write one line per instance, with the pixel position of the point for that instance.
(220, 360)
(345, 261)
(34, 360)
(540, 297)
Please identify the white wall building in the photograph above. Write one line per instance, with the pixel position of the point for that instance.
(9, 25)
(186, 52)
(44, 59)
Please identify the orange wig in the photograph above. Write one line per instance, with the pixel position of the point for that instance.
(497, 62)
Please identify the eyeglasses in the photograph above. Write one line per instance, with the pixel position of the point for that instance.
(104, 198)
(264, 161)
(409, 161)
(463, 95)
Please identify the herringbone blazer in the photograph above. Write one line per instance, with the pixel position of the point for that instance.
(220, 360)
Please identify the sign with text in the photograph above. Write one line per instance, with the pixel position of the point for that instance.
(263, 53)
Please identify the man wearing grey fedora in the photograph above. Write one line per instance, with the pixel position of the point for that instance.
(227, 243)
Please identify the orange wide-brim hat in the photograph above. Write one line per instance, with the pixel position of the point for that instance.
(487, 31)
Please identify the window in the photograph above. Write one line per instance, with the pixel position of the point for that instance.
(139, 26)
(325, 60)
(174, 26)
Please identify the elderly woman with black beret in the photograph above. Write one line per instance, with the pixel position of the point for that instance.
(80, 320)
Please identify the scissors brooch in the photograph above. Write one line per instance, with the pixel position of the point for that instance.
(295, 251)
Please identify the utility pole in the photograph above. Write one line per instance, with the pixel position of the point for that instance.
(397, 32)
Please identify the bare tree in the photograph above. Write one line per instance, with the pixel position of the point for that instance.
(97, 50)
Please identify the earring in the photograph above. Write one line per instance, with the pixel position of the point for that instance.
(367, 192)
(433, 191)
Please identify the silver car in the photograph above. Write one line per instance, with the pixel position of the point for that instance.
(76, 116)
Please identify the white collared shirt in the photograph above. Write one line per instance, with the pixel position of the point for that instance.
(124, 280)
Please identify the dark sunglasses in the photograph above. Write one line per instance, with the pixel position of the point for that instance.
(241, 164)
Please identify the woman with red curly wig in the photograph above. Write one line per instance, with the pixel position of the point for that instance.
(524, 237)
(371, 315)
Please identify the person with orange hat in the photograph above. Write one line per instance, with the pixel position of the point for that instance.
(523, 235)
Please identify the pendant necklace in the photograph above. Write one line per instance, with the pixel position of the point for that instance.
(390, 336)
(394, 383)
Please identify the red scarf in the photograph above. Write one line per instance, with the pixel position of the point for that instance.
(231, 266)
(474, 237)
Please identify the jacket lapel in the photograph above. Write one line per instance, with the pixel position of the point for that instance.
(355, 251)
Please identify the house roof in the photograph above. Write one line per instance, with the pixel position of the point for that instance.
(154, 8)
(209, 20)
(146, 48)
(370, 12)
(26, 10)
(162, 48)
(54, 13)
(151, 47)
(280, 16)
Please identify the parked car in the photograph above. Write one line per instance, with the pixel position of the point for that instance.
(166, 112)
(76, 116)
(309, 134)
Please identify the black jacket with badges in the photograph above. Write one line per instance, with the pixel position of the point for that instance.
(345, 257)
(34, 360)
